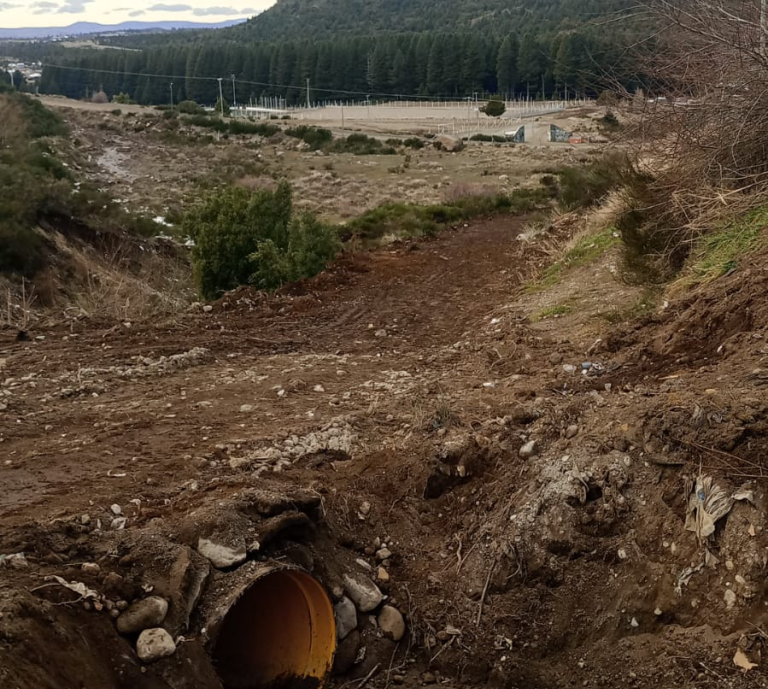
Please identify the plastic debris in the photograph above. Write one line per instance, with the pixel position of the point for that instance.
(16, 560)
(569, 368)
(76, 587)
(741, 660)
(710, 502)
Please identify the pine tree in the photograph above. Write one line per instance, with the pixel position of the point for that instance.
(506, 66)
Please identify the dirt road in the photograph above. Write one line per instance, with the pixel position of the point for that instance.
(536, 516)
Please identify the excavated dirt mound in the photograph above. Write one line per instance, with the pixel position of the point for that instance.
(539, 515)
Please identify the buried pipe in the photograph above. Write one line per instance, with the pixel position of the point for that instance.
(272, 628)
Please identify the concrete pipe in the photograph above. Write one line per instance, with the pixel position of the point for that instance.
(277, 631)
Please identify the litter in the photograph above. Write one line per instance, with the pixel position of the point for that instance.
(76, 587)
(740, 660)
(709, 503)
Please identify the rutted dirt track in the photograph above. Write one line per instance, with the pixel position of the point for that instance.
(391, 399)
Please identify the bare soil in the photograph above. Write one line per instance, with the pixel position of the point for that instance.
(390, 399)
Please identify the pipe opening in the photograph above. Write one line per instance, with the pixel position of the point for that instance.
(280, 634)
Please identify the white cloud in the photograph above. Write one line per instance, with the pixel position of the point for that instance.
(160, 7)
(73, 6)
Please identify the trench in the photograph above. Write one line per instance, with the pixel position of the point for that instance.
(280, 633)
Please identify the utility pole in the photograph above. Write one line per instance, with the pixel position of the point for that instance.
(234, 95)
(307, 94)
(221, 98)
(171, 94)
(342, 117)
(13, 85)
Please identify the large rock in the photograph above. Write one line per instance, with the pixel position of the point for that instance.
(392, 623)
(154, 644)
(346, 617)
(221, 556)
(363, 592)
(144, 614)
(450, 143)
(346, 654)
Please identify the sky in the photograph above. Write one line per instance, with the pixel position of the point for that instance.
(35, 13)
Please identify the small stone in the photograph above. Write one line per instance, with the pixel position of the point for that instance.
(622, 553)
(383, 554)
(634, 623)
(364, 565)
(729, 598)
(239, 462)
(428, 678)
(740, 580)
(346, 617)
(658, 612)
(122, 605)
(555, 358)
(116, 510)
(443, 636)
(207, 308)
(382, 575)
(398, 679)
(528, 450)
(380, 333)
(319, 388)
(144, 614)
(392, 623)
(246, 408)
(154, 644)
(346, 653)
(221, 556)
(363, 592)
(90, 568)
(85, 519)
(572, 431)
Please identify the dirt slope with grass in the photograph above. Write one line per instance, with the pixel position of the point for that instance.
(430, 396)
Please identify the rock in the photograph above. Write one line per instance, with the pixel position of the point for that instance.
(246, 408)
(239, 463)
(428, 678)
(380, 333)
(346, 654)
(450, 143)
(207, 308)
(555, 358)
(730, 598)
(90, 568)
(221, 556)
(392, 623)
(346, 617)
(85, 519)
(383, 554)
(116, 510)
(528, 450)
(144, 614)
(382, 575)
(113, 583)
(364, 564)
(154, 644)
(363, 592)
(572, 431)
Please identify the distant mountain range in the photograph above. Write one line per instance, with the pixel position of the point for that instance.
(85, 28)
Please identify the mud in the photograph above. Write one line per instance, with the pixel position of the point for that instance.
(304, 435)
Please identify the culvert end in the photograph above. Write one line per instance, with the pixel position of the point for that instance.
(278, 633)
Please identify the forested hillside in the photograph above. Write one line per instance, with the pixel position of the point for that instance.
(354, 49)
(301, 19)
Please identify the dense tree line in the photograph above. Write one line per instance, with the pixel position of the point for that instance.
(449, 65)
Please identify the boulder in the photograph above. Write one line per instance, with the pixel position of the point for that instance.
(143, 614)
(363, 592)
(346, 617)
(392, 623)
(154, 644)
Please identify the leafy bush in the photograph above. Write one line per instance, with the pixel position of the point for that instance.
(247, 127)
(244, 237)
(361, 144)
(305, 251)
(215, 123)
(189, 107)
(21, 249)
(122, 99)
(39, 120)
(581, 187)
(413, 142)
(315, 137)
(494, 138)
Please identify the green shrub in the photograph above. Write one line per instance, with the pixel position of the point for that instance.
(215, 123)
(315, 137)
(189, 107)
(21, 249)
(361, 144)
(581, 187)
(243, 237)
(123, 99)
(170, 114)
(306, 250)
(413, 142)
(492, 138)
(39, 120)
(247, 127)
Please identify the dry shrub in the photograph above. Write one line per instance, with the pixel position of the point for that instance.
(252, 183)
(707, 140)
(465, 190)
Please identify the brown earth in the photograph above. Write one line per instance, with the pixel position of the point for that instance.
(408, 379)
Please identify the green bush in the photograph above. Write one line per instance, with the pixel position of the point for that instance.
(21, 249)
(581, 187)
(361, 144)
(242, 237)
(413, 142)
(315, 137)
(123, 99)
(39, 120)
(215, 123)
(247, 127)
(494, 138)
(189, 107)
